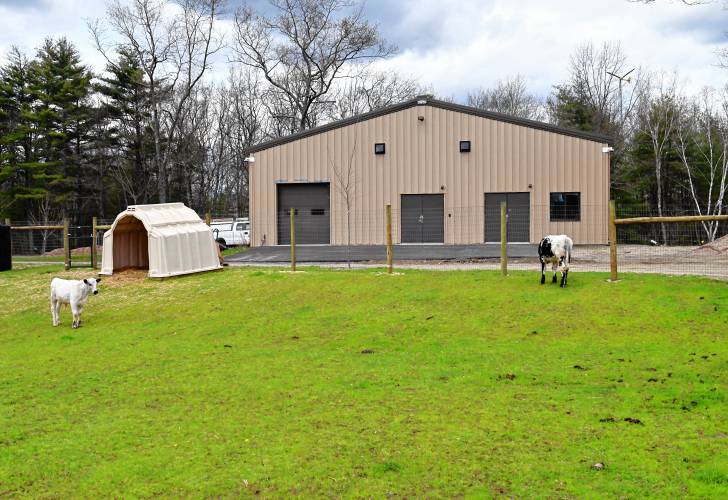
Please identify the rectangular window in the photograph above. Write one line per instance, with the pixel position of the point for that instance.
(379, 148)
(565, 207)
(465, 146)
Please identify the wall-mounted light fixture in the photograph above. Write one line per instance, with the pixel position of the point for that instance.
(465, 146)
(421, 118)
(379, 148)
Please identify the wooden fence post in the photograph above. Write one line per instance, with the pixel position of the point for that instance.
(390, 252)
(66, 245)
(293, 240)
(612, 240)
(94, 259)
(504, 238)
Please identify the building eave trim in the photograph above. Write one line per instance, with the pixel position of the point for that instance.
(418, 101)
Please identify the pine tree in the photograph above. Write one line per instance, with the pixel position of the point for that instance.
(16, 133)
(62, 116)
(126, 110)
(569, 109)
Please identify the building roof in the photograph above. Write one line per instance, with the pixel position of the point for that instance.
(429, 101)
(161, 215)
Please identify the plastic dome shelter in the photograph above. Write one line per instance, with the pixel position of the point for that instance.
(169, 239)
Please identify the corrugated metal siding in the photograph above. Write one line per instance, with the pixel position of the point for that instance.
(422, 156)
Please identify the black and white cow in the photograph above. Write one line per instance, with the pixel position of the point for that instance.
(557, 251)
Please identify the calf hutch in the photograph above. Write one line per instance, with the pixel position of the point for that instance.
(168, 239)
(444, 168)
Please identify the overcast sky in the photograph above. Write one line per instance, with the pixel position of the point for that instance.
(455, 46)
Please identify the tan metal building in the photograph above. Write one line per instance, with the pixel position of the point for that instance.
(444, 168)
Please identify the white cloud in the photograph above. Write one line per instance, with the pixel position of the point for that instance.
(479, 44)
(459, 45)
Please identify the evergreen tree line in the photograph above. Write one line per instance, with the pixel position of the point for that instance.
(75, 144)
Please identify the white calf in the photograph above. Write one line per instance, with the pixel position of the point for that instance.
(557, 251)
(74, 293)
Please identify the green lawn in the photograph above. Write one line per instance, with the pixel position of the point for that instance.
(358, 384)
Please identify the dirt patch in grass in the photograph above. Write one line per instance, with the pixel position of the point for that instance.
(122, 278)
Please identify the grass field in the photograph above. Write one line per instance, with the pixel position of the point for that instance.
(357, 384)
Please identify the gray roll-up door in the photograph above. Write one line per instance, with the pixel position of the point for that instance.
(422, 218)
(518, 206)
(313, 215)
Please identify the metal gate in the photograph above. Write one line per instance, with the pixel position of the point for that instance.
(313, 214)
(519, 216)
(422, 218)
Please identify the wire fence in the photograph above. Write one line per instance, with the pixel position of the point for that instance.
(426, 232)
(470, 236)
(33, 244)
(671, 247)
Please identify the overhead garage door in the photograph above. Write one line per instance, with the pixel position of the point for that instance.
(313, 217)
(422, 218)
(518, 206)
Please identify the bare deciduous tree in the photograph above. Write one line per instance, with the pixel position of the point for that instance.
(372, 90)
(345, 182)
(511, 97)
(702, 145)
(592, 73)
(46, 214)
(304, 48)
(658, 111)
(173, 47)
(686, 2)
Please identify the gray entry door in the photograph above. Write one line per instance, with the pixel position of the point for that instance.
(313, 215)
(422, 218)
(518, 207)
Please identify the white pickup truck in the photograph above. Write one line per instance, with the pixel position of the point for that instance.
(231, 232)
